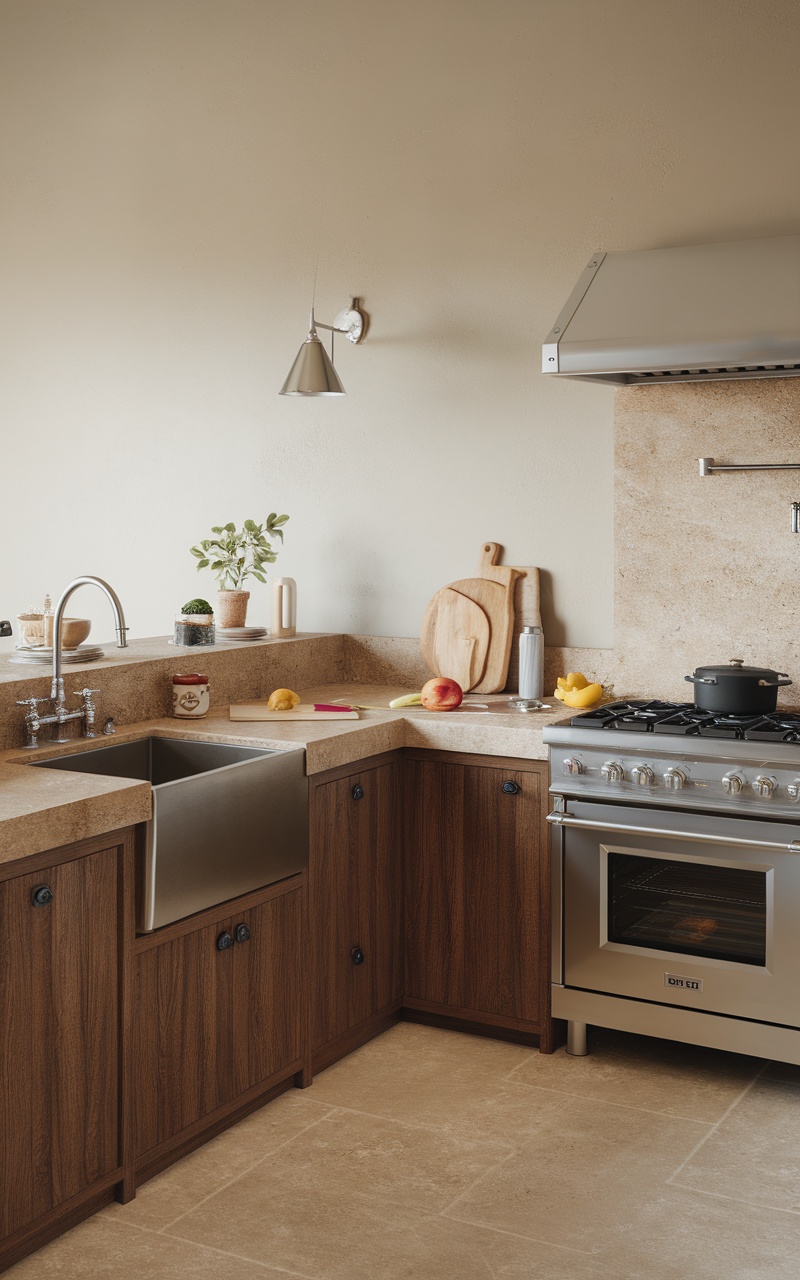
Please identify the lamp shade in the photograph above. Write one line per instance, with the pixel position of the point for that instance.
(312, 373)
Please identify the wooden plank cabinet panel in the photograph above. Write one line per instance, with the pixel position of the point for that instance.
(473, 902)
(356, 899)
(59, 1047)
(501, 891)
(211, 1024)
(267, 1023)
(435, 882)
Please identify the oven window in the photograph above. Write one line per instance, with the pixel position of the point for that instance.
(689, 907)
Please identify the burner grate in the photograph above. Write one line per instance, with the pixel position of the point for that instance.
(686, 719)
(631, 717)
(780, 726)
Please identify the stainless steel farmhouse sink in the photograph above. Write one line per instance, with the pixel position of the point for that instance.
(226, 819)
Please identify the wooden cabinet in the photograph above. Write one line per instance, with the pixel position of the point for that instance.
(427, 895)
(355, 905)
(60, 1037)
(218, 1018)
(476, 892)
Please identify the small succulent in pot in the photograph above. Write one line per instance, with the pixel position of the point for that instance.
(197, 610)
(195, 624)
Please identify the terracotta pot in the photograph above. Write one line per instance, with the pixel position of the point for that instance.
(232, 608)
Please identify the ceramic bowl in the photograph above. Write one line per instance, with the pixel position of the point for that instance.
(73, 631)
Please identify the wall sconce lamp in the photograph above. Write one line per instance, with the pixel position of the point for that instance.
(312, 373)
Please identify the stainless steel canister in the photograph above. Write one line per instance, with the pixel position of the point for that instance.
(531, 662)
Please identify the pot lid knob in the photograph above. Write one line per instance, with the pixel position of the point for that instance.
(736, 662)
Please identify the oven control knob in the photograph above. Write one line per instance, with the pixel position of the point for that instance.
(643, 775)
(612, 772)
(674, 779)
(793, 790)
(571, 765)
(763, 786)
(732, 784)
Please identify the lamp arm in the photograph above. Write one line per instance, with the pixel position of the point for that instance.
(351, 322)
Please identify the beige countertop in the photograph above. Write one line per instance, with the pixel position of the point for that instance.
(41, 809)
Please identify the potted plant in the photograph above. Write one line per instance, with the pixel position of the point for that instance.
(234, 556)
(195, 624)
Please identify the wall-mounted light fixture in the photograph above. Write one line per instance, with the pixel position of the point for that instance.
(312, 373)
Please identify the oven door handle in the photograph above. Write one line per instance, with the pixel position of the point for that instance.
(618, 828)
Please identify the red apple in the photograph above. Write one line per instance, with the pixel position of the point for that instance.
(441, 694)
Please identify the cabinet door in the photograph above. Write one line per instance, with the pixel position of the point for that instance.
(211, 1023)
(356, 907)
(473, 901)
(59, 1046)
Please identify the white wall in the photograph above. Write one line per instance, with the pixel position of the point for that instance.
(171, 168)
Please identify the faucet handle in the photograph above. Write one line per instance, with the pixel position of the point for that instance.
(32, 721)
(88, 710)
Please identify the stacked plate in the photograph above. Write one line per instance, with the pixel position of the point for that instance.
(44, 655)
(241, 633)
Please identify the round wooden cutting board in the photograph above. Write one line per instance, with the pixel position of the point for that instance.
(455, 637)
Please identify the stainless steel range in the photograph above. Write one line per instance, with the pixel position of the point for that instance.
(676, 876)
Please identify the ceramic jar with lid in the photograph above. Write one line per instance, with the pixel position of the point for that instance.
(190, 698)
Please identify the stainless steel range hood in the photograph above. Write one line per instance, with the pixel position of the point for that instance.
(704, 313)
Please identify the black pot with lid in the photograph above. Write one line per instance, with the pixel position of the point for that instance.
(737, 690)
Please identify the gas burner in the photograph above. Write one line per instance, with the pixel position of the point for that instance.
(721, 726)
(606, 717)
(631, 717)
(688, 720)
(779, 726)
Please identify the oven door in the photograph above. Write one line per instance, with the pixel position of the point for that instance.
(681, 908)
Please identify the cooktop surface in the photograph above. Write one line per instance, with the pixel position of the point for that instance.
(684, 718)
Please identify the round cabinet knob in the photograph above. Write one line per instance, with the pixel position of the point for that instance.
(732, 784)
(763, 786)
(242, 933)
(357, 955)
(511, 788)
(643, 775)
(674, 779)
(358, 792)
(224, 941)
(571, 765)
(612, 771)
(42, 895)
(793, 790)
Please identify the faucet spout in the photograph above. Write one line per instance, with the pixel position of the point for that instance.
(57, 685)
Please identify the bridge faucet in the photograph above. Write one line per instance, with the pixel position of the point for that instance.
(57, 685)
(59, 715)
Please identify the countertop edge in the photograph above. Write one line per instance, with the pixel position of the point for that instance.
(76, 806)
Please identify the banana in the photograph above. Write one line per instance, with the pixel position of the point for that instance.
(574, 690)
(583, 698)
(575, 680)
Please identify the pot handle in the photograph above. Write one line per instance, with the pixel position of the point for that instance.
(703, 679)
(776, 684)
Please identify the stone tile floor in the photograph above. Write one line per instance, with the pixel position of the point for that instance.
(431, 1155)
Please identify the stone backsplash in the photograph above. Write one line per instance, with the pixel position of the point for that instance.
(706, 569)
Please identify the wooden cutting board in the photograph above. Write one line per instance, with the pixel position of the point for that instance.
(304, 711)
(458, 636)
(493, 593)
(527, 613)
